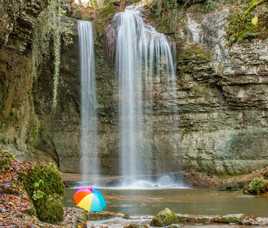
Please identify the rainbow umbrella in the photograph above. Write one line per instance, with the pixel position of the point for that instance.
(89, 199)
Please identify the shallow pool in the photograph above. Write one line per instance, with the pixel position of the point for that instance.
(185, 201)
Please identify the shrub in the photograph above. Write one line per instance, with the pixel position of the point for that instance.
(45, 188)
(240, 28)
(241, 24)
(5, 160)
(257, 186)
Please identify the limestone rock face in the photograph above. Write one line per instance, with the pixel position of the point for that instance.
(17, 20)
(220, 124)
(224, 124)
(18, 122)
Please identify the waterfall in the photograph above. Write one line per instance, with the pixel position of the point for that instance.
(89, 138)
(143, 60)
(130, 93)
(194, 30)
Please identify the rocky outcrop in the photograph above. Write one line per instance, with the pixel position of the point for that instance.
(223, 116)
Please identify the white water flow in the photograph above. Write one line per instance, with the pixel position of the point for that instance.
(144, 61)
(89, 163)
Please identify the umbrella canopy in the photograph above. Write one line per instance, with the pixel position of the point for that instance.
(89, 199)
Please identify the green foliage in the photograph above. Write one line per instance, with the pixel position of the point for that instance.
(164, 13)
(257, 186)
(45, 187)
(5, 160)
(210, 5)
(240, 28)
(240, 25)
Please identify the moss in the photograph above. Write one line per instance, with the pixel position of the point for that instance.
(257, 186)
(48, 30)
(45, 187)
(228, 219)
(34, 132)
(164, 218)
(45, 178)
(50, 209)
(5, 160)
(194, 52)
(240, 26)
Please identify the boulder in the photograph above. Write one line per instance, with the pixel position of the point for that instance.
(164, 218)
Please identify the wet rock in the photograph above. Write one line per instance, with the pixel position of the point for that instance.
(175, 226)
(136, 226)
(106, 215)
(164, 218)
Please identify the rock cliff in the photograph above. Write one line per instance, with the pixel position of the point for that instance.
(220, 124)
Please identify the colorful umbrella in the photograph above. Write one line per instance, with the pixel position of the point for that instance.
(89, 199)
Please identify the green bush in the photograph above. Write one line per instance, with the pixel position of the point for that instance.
(5, 160)
(257, 186)
(45, 188)
(240, 28)
(240, 25)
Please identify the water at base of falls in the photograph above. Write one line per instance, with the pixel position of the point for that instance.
(168, 181)
(150, 183)
(89, 162)
(144, 60)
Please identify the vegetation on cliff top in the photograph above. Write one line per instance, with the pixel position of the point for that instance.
(248, 22)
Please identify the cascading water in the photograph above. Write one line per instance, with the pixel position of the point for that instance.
(88, 140)
(143, 58)
(130, 93)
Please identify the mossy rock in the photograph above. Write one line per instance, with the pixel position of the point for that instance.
(5, 160)
(45, 178)
(230, 219)
(194, 52)
(257, 186)
(45, 187)
(50, 209)
(164, 218)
